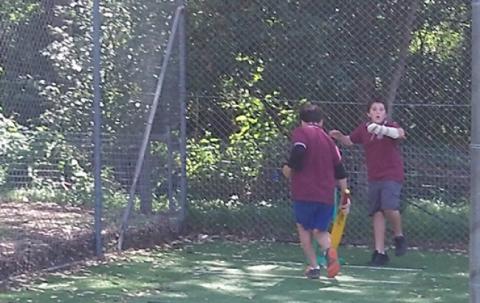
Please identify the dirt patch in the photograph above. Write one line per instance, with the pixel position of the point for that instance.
(36, 236)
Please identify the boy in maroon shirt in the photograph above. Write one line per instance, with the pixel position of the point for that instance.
(383, 158)
(313, 167)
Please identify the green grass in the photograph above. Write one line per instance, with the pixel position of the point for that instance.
(252, 272)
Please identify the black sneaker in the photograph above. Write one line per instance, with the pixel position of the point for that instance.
(312, 273)
(379, 259)
(400, 245)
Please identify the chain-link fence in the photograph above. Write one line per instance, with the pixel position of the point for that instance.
(259, 59)
(249, 66)
(46, 127)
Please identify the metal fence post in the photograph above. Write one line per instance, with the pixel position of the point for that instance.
(475, 158)
(183, 113)
(97, 127)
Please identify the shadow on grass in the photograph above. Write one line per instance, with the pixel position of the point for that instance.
(252, 272)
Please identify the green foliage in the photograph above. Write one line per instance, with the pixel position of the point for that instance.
(52, 89)
(203, 155)
(16, 11)
(441, 41)
(78, 193)
(70, 55)
(132, 46)
(244, 56)
(259, 124)
(12, 140)
(431, 222)
(427, 223)
(263, 219)
(333, 50)
(42, 165)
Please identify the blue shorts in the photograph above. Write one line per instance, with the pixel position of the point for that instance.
(313, 215)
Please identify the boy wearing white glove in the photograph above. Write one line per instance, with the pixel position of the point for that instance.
(380, 139)
(384, 130)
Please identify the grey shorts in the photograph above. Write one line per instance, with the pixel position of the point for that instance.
(383, 195)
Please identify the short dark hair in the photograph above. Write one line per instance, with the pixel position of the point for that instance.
(310, 113)
(376, 100)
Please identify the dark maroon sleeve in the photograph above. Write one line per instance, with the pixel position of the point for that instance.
(299, 137)
(357, 134)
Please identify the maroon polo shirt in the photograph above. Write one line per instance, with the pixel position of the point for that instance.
(315, 182)
(382, 154)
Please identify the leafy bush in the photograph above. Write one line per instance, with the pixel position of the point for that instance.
(426, 223)
(42, 165)
(236, 160)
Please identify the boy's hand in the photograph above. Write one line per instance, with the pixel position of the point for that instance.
(374, 128)
(286, 171)
(345, 208)
(345, 198)
(340, 137)
(336, 134)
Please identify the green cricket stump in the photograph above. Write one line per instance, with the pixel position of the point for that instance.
(322, 261)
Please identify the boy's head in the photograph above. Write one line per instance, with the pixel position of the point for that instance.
(310, 113)
(377, 110)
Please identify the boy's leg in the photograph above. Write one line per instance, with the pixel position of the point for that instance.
(323, 239)
(313, 270)
(395, 219)
(323, 217)
(379, 231)
(306, 243)
(303, 215)
(379, 257)
(391, 206)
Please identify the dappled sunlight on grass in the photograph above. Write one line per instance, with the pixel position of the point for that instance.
(253, 272)
(342, 290)
(354, 280)
(261, 268)
(228, 286)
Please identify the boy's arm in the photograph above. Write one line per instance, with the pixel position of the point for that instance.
(340, 137)
(342, 183)
(390, 131)
(341, 176)
(295, 162)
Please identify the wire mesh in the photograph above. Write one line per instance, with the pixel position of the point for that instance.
(46, 119)
(250, 65)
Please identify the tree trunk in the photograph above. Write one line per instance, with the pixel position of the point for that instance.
(402, 56)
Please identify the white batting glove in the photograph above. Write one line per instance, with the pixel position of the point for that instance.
(378, 129)
(374, 128)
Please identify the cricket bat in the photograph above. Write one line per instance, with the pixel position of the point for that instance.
(339, 223)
